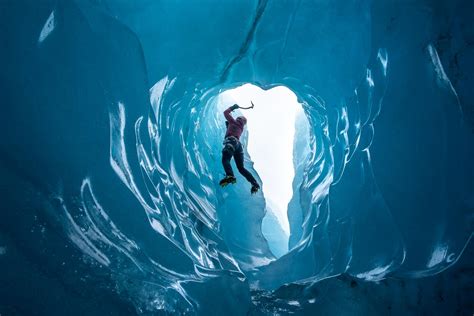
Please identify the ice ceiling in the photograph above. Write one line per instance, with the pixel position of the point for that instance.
(111, 146)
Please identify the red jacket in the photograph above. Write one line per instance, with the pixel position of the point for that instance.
(235, 127)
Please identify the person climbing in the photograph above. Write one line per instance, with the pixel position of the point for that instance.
(233, 148)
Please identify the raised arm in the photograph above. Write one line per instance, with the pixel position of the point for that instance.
(227, 115)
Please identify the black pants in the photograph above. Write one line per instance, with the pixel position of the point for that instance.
(232, 147)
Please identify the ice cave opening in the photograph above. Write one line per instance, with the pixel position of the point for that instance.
(111, 158)
(277, 143)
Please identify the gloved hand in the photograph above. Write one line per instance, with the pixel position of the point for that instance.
(234, 107)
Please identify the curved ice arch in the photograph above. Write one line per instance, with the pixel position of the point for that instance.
(343, 197)
(388, 186)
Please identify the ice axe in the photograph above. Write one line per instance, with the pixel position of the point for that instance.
(247, 108)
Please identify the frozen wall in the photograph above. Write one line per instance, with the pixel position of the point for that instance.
(110, 149)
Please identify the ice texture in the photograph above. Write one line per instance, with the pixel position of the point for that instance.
(111, 144)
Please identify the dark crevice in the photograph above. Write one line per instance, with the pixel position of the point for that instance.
(262, 4)
(289, 25)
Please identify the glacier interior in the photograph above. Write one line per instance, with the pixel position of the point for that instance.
(111, 143)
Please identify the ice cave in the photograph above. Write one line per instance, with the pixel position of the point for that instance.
(361, 138)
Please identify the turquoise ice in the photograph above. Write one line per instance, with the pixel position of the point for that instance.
(110, 156)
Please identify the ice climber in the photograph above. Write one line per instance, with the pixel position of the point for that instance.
(233, 148)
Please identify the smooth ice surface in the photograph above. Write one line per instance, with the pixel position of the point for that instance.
(111, 144)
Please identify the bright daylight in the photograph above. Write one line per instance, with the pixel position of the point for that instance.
(271, 128)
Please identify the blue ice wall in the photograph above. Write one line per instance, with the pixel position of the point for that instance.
(301, 154)
(110, 154)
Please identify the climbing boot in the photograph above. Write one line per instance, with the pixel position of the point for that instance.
(255, 188)
(227, 180)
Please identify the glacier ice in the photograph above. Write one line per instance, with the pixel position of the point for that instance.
(110, 157)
